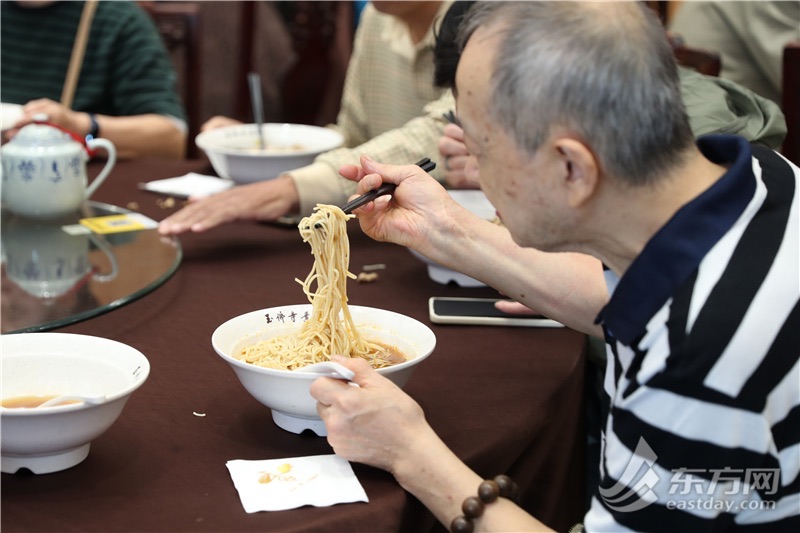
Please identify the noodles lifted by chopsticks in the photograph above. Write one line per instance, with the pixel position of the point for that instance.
(330, 329)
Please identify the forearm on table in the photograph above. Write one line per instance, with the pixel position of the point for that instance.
(143, 135)
(441, 481)
(567, 287)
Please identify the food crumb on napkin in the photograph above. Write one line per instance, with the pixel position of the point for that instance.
(279, 484)
(191, 184)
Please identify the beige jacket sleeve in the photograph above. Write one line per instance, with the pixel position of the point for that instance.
(320, 182)
(749, 35)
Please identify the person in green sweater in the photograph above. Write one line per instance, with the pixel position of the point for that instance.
(126, 90)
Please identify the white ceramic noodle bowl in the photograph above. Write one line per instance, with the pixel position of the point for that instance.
(234, 154)
(285, 392)
(50, 439)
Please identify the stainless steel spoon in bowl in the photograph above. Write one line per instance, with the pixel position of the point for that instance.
(254, 83)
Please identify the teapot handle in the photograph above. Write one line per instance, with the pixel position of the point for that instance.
(112, 159)
(103, 246)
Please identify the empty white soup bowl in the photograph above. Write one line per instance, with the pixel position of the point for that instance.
(50, 439)
(234, 150)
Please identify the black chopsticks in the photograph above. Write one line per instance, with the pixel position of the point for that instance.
(387, 188)
(451, 117)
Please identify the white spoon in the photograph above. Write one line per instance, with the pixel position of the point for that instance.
(91, 400)
(329, 369)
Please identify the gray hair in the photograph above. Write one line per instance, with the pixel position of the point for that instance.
(603, 70)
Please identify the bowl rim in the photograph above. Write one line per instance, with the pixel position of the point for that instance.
(141, 377)
(291, 374)
(202, 140)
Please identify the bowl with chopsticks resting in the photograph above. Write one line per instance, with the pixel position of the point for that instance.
(89, 378)
(235, 151)
(286, 392)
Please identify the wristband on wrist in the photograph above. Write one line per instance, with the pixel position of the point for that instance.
(94, 127)
(500, 487)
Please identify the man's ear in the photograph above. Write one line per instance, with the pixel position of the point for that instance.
(581, 177)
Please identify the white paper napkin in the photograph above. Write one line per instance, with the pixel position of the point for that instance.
(278, 484)
(191, 184)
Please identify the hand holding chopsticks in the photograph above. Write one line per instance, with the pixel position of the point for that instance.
(387, 188)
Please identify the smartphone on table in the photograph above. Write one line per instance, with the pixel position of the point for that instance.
(481, 312)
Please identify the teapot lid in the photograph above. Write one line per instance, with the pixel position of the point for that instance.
(41, 135)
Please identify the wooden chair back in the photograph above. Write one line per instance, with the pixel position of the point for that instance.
(179, 26)
(321, 38)
(706, 62)
(791, 101)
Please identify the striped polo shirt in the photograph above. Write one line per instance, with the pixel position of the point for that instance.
(703, 380)
(126, 70)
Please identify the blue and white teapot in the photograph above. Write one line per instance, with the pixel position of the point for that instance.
(44, 171)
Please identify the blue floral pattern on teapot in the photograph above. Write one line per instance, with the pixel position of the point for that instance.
(44, 171)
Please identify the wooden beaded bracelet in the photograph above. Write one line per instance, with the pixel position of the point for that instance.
(500, 487)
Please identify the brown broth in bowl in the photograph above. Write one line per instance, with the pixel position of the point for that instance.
(30, 401)
(390, 354)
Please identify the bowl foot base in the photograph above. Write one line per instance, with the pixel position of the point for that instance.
(446, 276)
(296, 424)
(44, 464)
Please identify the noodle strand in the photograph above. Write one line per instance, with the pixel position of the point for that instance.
(330, 328)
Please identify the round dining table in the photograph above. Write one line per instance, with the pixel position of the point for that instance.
(505, 399)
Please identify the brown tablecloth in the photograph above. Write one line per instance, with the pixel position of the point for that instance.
(506, 399)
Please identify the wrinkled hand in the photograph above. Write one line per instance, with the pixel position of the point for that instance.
(410, 213)
(454, 156)
(218, 122)
(74, 121)
(263, 201)
(375, 423)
